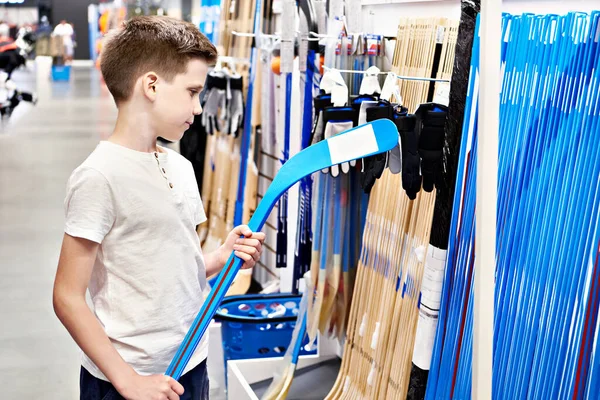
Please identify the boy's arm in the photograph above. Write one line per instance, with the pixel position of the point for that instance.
(248, 249)
(74, 270)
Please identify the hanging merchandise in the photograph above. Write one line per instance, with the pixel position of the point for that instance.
(546, 327)
(230, 176)
(302, 259)
(425, 48)
(213, 114)
(282, 209)
(435, 262)
(381, 329)
(248, 130)
(378, 136)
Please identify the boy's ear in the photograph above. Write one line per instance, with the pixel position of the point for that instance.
(149, 83)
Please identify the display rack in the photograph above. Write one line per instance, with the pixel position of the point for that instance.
(243, 373)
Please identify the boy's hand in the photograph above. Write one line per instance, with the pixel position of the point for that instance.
(153, 387)
(248, 248)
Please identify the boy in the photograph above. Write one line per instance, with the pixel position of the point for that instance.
(131, 214)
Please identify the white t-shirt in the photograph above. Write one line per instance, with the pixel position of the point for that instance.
(149, 279)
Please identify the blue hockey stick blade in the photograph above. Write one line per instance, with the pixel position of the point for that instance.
(373, 138)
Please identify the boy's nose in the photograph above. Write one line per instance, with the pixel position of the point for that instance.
(198, 109)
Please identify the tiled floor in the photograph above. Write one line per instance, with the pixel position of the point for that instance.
(41, 145)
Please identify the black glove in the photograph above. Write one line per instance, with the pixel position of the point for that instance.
(430, 124)
(235, 105)
(411, 162)
(214, 102)
(321, 102)
(373, 166)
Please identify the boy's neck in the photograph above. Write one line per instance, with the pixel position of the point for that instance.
(133, 130)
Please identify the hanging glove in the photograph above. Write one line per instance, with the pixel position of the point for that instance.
(430, 124)
(411, 162)
(337, 120)
(214, 102)
(373, 166)
(321, 102)
(235, 104)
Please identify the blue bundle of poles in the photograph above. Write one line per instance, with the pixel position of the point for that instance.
(547, 289)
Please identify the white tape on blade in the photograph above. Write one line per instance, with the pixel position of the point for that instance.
(371, 376)
(352, 145)
(363, 326)
(346, 384)
(375, 337)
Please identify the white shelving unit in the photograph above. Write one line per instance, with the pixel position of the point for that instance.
(243, 373)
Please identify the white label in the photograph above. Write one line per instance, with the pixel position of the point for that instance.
(433, 277)
(431, 294)
(287, 36)
(388, 86)
(321, 11)
(440, 34)
(287, 56)
(354, 15)
(355, 144)
(375, 337)
(371, 375)
(346, 384)
(424, 339)
(288, 19)
(303, 54)
(442, 93)
(277, 7)
(363, 326)
(336, 8)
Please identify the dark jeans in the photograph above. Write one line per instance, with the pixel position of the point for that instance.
(195, 383)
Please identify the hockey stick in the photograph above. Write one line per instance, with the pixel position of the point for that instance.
(363, 141)
(247, 132)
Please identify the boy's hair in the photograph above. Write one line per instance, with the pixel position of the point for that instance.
(144, 44)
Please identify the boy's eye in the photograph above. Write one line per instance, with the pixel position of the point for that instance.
(193, 93)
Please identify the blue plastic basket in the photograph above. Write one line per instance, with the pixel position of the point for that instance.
(61, 72)
(258, 326)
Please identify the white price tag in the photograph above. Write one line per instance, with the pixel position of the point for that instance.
(303, 54)
(287, 56)
(336, 8)
(287, 35)
(277, 7)
(431, 294)
(388, 86)
(440, 34)
(321, 11)
(288, 27)
(354, 15)
(442, 93)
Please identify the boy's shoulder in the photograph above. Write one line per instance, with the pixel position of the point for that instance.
(102, 160)
(113, 160)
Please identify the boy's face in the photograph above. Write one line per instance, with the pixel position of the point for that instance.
(178, 101)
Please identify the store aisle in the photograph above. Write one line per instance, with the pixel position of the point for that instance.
(41, 145)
